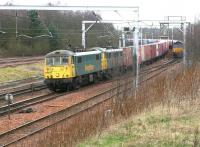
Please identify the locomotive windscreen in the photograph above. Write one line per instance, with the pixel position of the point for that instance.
(56, 61)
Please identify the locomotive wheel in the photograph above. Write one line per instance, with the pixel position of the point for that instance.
(95, 78)
(52, 88)
(75, 84)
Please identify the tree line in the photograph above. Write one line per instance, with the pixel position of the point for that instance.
(193, 41)
(24, 33)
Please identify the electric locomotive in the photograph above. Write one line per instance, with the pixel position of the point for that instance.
(66, 69)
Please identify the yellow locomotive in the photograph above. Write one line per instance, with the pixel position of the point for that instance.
(177, 49)
(66, 69)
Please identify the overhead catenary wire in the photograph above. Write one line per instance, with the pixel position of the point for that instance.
(131, 26)
(105, 26)
(30, 37)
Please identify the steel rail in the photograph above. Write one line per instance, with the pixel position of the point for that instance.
(16, 62)
(72, 110)
(156, 74)
(28, 102)
(20, 60)
(155, 68)
(28, 90)
(26, 80)
(24, 89)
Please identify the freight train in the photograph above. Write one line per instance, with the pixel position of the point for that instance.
(65, 69)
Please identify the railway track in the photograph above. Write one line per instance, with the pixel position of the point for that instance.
(28, 102)
(6, 62)
(39, 99)
(31, 87)
(16, 83)
(157, 65)
(23, 89)
(154, 71)
(31, 128)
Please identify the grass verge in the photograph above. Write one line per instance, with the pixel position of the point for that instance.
(163, 126)
(20, 72)
(171, 116)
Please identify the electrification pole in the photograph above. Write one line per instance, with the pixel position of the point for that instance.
(184, 43)
(83, 36)
(136, 46)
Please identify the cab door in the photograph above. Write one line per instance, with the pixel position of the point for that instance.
(104, 64)
(70, 68)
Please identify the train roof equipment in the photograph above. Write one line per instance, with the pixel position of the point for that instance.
(178, 43)
(87, 53)
(60, 53)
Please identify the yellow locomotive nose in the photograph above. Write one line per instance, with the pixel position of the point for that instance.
(178, 49)
(59, 67)
(177, 52)
(56, 72)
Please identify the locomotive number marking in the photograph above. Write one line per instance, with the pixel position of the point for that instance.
(89, 67)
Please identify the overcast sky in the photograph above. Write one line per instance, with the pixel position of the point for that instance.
(149, 9)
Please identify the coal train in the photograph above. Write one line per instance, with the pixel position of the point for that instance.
(65, 69)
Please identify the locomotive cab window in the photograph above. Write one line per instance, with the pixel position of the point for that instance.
(64, 60)
(49, 61)
(79, 59)
(109, 55)
(56, 60)
(97, 57)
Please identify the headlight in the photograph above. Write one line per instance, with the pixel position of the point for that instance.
(57, 74)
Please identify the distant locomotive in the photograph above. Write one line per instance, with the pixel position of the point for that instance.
(66, 69)
(177, 49)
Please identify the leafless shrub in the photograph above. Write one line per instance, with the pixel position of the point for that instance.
(164, 90)
(192, 41)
